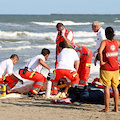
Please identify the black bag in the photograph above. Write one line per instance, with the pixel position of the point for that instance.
(93, 97)
(88, 94)
(119, 88)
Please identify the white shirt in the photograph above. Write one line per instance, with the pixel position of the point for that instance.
(6, 67)
(67, 58)
(76, 48)
(34, 63)
(70, 36)
(100, 37)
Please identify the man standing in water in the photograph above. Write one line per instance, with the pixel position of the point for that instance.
(64, 34)
(96, 27)
(109, 70)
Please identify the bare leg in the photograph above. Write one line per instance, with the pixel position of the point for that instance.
(116, 98)
(106, 97)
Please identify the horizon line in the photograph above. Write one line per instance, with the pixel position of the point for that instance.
(68, 14)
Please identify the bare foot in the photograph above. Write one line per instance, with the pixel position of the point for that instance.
(104, 110)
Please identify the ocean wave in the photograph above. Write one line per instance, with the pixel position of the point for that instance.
(58, 21)
(18, 35)
(65, 22)
(13, 42)
(94, 72)
(25, 34)
(84, 40)
(84, 34)
(15, 48)
(11, 24)
(117, 21)
(49, 46)
(117, 32)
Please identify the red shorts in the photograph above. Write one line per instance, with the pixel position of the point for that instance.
(72, 75)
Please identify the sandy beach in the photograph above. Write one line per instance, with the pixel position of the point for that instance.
(44, 109)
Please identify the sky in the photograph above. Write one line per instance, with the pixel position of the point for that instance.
(59, 6)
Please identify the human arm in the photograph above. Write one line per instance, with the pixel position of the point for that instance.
(118, 43)
(10, 71)
(44, 64)
(118, 47)
(67, 38)
(76, 66)
(102, 47)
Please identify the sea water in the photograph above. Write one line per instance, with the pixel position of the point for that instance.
(26, 35)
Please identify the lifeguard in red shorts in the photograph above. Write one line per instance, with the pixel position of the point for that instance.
(85, 56)
(68, 64)
(31, 71)
(6, 72)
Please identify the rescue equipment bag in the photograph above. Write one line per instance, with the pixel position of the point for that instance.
(87, 94)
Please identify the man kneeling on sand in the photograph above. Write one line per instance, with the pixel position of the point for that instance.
(6, 72)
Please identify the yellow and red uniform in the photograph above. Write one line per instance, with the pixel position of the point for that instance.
(10, 82)
(37, 77)
(33, 73)
(6, 68)
(65, 68)
(85, 63)
(60, 39)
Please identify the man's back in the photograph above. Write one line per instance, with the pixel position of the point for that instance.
(6, 67)
(67, 58)
(34, 63)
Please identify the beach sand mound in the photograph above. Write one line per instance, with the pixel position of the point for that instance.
(14, 95)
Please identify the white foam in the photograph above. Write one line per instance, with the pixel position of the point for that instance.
(95, 69)
(25, 34)
(117, 21)
(94, 72)
(49, 46)
(52, 46)
(84, 40)
(84, 34)
(12, 24)
(64, 22)
(71, 22)
(16, 48)
(47, 35)
(117, 32)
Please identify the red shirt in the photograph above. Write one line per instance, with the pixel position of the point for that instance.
(110, 56)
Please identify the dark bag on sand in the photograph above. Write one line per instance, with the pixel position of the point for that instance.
(119, 88)
(88, 94)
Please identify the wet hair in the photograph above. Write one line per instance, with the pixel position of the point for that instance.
(45, 51)
(14, 56)
(96, 23)
(59, 25)
(63, 45)
(109, 32)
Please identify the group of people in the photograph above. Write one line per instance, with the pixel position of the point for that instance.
(72, 62)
